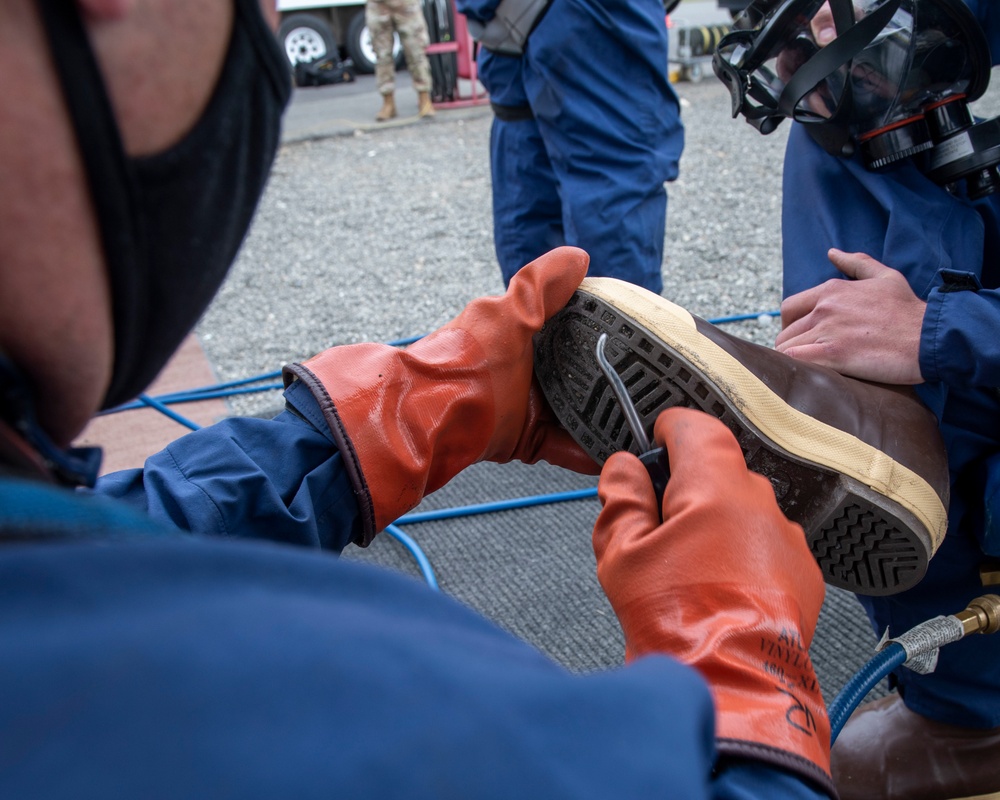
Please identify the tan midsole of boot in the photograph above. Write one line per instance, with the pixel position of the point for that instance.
(790, 429)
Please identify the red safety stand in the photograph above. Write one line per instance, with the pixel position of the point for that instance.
(463, 46)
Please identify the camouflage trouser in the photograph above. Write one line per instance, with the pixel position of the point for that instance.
(407, 18)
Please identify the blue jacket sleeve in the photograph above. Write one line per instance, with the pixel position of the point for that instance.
(280, 479)
(958, 343)
(747, 780)
(273, 672)
(947, 248)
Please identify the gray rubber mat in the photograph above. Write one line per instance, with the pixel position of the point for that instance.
(531, 570)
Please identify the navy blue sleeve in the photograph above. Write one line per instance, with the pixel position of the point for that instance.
(280, 479)
(907, 222)
(203, 667)
(959, 343)
(748, 780)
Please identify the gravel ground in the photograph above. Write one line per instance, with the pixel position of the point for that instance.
(385, 235)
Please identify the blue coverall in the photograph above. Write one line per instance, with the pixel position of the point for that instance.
(161, 637)
(587, 131)
(949, 250)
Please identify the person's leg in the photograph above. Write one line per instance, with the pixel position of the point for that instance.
(527, 214)
(408, 18)
(378, 18)
(611, 126)
(527, 210)
(940, 735)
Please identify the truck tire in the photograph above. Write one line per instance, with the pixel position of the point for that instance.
(358, 44)
(306, 37)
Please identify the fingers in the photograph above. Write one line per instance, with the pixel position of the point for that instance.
(797, 306)
(546, 284)
(822, 25)
(698, 445)
(858, 266)
(818, 353)
(549, 440)
(794, 309)
(628, 503)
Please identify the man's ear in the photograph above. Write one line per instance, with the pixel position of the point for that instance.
(105, 9)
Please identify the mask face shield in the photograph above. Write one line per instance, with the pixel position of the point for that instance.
(851, 70)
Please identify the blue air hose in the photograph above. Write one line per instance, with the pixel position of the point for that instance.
(918, 649)
(422, 561)
(861, 683)
(152, 402)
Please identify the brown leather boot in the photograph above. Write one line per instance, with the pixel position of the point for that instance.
(388, 110)
(885, 751)
(425, 108)
(860, 466)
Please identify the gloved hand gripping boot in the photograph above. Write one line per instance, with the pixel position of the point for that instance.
(408, 420)
(725, 583)
(860, 466)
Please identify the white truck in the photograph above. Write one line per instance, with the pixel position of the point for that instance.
(312, 30)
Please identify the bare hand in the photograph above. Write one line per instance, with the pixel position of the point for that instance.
(866, 328)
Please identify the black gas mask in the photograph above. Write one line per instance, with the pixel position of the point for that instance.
(885, 78)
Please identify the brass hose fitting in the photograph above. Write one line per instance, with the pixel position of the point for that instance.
(982, 615)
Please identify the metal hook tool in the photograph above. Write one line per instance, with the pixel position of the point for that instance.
(653, 458)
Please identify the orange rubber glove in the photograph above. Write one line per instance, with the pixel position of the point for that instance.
(408, 420)
(725, 583)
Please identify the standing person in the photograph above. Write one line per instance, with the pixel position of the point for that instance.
(178, 631)
(866, 198)
(405, 17)
(587, 131)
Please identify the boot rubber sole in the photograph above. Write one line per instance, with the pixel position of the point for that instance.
(872, 524)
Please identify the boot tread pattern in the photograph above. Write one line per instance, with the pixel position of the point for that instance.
(858, 537)
(866, 552)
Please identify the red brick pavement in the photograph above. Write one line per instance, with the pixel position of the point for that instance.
(129, 437)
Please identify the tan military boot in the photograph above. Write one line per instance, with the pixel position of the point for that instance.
(886, 752)
(425, 106)
(388, 110)
(860, 466)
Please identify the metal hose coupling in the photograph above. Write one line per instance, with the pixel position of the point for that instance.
(923, 642)
(982, 615)
(917, 650)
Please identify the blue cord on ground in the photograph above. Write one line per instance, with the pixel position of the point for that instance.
(422, 561)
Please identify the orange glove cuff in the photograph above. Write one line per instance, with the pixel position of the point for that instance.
(408, 420)
(405, 421)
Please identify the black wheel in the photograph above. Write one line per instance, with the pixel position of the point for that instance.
(358, 44)
(305, 38)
